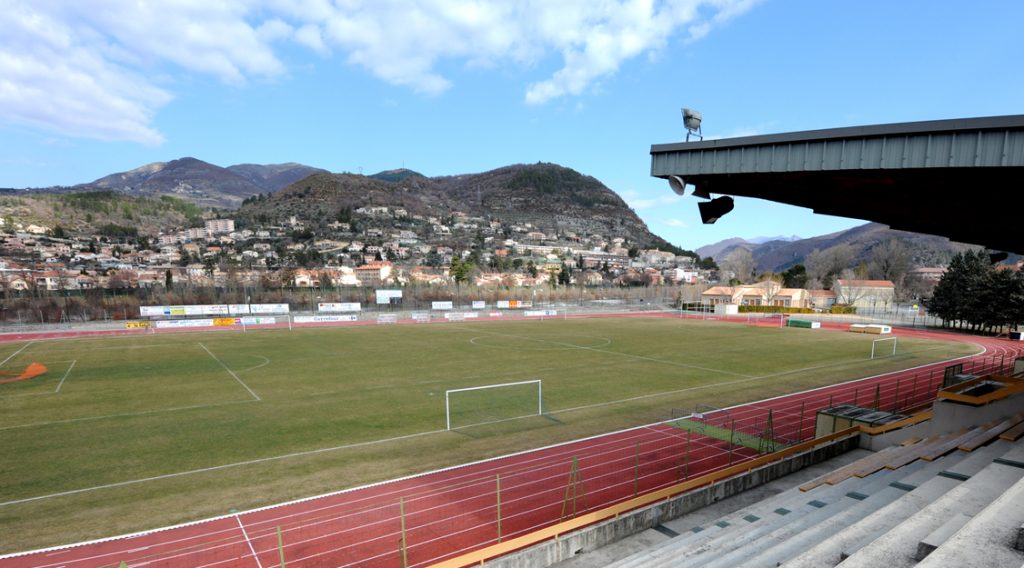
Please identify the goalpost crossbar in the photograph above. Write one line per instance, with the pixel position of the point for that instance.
(875, 342)
(448, 393)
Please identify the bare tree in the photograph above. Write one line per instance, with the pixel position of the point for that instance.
(889, 261)
(739, 262)
(825, 265)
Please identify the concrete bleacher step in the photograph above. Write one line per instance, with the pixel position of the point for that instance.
(774, 554)
(987, 539)
(924, 487)
(898, 546)
(704, 528)
(807, 509)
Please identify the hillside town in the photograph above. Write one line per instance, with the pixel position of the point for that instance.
(381, 246)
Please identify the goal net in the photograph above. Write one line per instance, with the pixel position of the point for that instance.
(488, 404)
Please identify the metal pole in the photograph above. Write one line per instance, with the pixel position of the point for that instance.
(401, 512)
(800, 427)
(447, 413)
(497, 480)
(686, 465)
(636, 471)
(280, 545)
(540, 398)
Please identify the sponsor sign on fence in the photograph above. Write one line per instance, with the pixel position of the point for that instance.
(459, 316)
(212, 310)
(138, 324)
(533, 313)
(184, 323)
(479, 304)
(389, 296)
(339, 307)
(268, 308)
(324, 319)
(441, 305)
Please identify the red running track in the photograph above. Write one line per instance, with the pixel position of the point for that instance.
(450, 512)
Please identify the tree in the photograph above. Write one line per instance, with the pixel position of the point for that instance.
(564, 277)
(739, 262)
(795, 276)
(825, 265)
(168, 279)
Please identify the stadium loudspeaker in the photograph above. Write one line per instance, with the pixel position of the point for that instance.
(711, 211)
(677, 184)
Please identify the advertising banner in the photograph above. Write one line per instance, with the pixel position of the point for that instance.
(479, 304)
(138, 324)
(441, 305)
(324, 319)
(185, 323)
(338, 307)
(389, 296)
(530, 313)
(268, 309)
(238, 309)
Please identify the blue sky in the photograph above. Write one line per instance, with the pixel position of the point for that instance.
(448, 87)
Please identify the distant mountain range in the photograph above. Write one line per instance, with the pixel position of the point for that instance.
(547, 197)
(780, 254)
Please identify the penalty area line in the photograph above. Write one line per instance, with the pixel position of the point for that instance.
(230, 372)
(66, 373)
(12, 355)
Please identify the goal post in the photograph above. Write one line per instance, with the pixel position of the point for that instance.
(875, 343)
(486, 404)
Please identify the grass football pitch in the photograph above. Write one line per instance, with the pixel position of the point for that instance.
(128, 433)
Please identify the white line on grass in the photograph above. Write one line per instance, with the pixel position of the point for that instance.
(249, 542)
(230, 372)
(125, 415)
(223, 466)
(66, 373)
(11, 356)
(629, 355)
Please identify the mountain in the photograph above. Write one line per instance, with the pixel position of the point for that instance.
(273, 177)
(762, 240)
(395, 175)
(778, 255)
(721, 248)
(547, 197)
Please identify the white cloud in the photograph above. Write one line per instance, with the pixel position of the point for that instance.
(679, 223)
(88, 68)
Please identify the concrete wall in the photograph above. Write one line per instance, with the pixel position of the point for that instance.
(951, 416)
(601, 534)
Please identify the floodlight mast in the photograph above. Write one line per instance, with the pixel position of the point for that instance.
(691, 120)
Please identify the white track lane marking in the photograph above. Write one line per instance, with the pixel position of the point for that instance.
(246, 535)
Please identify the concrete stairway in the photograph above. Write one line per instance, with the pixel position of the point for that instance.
(893, 517)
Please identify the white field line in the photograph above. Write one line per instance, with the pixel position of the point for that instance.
(249, 542)
(12, 355)
(982, 350)
(627, 355)
(124, 415)
(230, 372)
(218, 467)
(66, 373)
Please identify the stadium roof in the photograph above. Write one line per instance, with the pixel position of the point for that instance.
(956, 178)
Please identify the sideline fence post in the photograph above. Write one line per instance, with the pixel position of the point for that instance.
(636, 471)
(800, 427)
(497, 480)
(401, 513)
(280, 545)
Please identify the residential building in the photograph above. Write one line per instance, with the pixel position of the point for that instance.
(874, 294)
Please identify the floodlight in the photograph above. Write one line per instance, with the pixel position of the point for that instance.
(701, 192)
(711, 211)
(677, 184)
(691, 120)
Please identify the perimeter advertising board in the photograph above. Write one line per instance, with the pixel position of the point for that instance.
(441, 305)
(338, 307)
(389, 296)
(212, 310)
